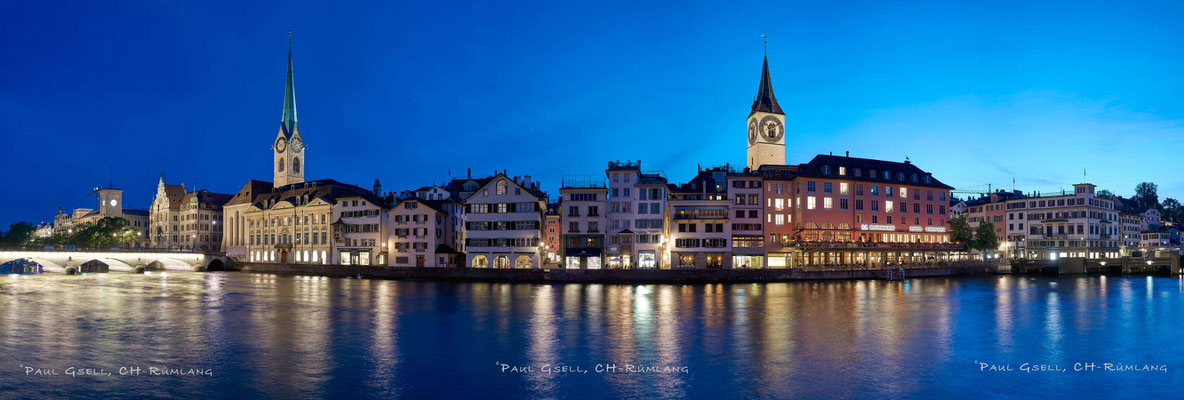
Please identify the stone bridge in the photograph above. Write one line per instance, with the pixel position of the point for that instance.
(59, 261)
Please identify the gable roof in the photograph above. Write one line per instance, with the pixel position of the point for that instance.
(534, 191)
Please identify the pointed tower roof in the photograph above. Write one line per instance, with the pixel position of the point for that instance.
(288, 120)
(765, 102)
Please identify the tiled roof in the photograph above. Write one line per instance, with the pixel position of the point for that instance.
(814, 169)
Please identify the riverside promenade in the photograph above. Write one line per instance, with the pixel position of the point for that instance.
(604, 275)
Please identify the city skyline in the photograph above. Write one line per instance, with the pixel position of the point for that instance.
(363, 130)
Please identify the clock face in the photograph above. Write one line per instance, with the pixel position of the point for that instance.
(113, 202)
(297, 145)
(771, 128)
(280, 145)
(752, 131)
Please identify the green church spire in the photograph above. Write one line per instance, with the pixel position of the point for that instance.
(288, 120)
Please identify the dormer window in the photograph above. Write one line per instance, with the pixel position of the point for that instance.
(914, 177)
(926, 178)
(826, 170)
(842, 170)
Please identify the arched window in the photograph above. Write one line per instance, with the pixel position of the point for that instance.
(296, 165)
(480, 262)
(523, 262)
(501, 187)
(501, 262)
(279, 165)
(844, 225)
(811, 225)
(827, 225)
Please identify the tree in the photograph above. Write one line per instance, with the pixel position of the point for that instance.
(19, 234)
(1104, 193)
(1146, 195)
(985, 238)
(106, 232)
(960, 231)
(1172, 210)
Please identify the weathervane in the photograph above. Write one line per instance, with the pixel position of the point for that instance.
(765, 39)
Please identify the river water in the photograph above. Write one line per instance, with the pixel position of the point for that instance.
(246, 335)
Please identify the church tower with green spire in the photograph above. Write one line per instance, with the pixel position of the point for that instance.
(289, 146)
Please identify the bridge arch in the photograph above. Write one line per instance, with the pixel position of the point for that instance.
(48, 266)
(117, 265)
(170, 264)
(216, 264)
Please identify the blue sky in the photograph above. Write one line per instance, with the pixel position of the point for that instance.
(977, 92)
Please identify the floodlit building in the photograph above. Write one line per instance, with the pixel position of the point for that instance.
(504, 224)
(582, 221)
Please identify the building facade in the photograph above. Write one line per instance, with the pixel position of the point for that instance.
(582, 208)
(637, 217)
(425, 233)
(504, 224)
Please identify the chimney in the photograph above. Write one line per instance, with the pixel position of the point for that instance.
(848, 153)
(470, 173)
(526, 180)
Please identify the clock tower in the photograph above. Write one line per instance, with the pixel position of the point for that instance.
(289, 146)
(766, 126)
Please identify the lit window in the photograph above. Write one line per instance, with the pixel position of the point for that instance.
(826, 203)
(810, 202)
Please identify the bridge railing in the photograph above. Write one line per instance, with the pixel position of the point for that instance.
(69, 248)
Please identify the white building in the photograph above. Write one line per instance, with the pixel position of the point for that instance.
(359, 229)
(425, 233)
(504, 222)
(637, 217)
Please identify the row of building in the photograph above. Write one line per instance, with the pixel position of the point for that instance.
(829, 212)
(1078, 224)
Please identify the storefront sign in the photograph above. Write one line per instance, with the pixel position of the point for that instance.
(916, 229)
(888, 228)
(939, 229)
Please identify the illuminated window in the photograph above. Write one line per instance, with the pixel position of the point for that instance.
(810, 202)
(826, 203)
(842, 187)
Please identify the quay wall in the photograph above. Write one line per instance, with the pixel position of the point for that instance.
(596, 275)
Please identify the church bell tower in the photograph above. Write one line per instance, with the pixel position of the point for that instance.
(766, 126)
(289, 146)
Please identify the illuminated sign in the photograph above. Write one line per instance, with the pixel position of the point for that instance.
(939, 229)
(916, 229)
(867, 227)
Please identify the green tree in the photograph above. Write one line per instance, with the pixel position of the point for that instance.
(1104, 193)
(1172, 210)
(1146, 195)
(960, 231)
(106, 232)
(985, 238)
(19, 234)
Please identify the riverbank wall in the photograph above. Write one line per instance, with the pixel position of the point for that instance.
(596, 275)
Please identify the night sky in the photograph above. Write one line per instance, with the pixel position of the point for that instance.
(98, 92)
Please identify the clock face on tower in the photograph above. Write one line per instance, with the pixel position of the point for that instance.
(752, 131)
(297, 145)
(280, 145)
(113, 202)
(771, 128)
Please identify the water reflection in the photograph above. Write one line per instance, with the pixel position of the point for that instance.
(299, 336)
